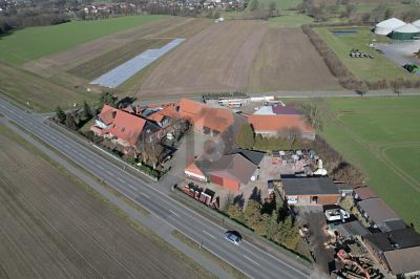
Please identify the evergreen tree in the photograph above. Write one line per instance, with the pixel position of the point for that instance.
(253, 5)
(60, 115)
(87, 112)
(71, 122)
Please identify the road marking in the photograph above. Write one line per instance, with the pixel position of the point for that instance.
(212, 236)
(99, 167)
(121, 180)
(251, 260)
(145, 195)
(173, 212)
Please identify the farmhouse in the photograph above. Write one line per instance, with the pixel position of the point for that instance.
(230, 171)
(396, 250)
(309, 190)
(380, 215)
(280, 121)
(208, 120)
(124, 128)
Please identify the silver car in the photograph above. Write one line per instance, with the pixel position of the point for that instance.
(233, 236)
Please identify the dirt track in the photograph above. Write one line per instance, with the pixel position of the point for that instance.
(288, 61)
(52, 228)
(216, 59)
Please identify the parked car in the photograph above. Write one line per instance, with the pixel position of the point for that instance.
(336, 214)
(233, 236)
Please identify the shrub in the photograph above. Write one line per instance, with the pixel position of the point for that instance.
(337, 68)
(246, 137)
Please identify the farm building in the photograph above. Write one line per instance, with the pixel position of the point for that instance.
(396, 250)
(364, 193)
(280, 121)
(380, 215)
(208, 120)
(387, 26)
(406, 32)
(125, 128)
(350, 229)
(230, 171)
(131, 126)
(310, 191)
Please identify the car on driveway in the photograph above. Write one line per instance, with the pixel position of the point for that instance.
(233, 236)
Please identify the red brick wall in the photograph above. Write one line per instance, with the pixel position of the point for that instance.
(328, 199)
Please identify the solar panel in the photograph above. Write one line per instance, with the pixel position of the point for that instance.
(123, 72)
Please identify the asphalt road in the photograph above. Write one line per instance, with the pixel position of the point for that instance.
(246, 257)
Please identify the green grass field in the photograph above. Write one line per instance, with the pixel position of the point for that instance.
(381, 136)
(290, 19)
(281, 4)
(34, 42)
(41, 94)
(366, 69)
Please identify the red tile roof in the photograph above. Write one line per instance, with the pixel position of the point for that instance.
(127, 127)
(277, 123)
(201, 115)
(107, 114)
(166, 111)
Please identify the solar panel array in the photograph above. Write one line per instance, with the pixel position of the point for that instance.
(123, 72)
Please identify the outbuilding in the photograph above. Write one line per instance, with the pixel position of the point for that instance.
(309, 190)
(387, 26)
(406, 32)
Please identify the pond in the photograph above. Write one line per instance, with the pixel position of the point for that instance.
(343, 32)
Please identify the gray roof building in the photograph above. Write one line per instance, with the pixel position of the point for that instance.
(350, 229)
(309, 186)
(379, 213)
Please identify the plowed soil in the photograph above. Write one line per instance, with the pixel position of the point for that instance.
(243, 56)
(288, 61)
(52, 228)
(216, 59)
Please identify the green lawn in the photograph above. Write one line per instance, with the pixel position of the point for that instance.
(290, 20)
(366, 69)
(281, 4)
(382, 138)
(34, 42)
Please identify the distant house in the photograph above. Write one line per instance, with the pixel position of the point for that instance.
(230, 171)
(309, 190)
(398, 251)
(280, 121)
(380, 215)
